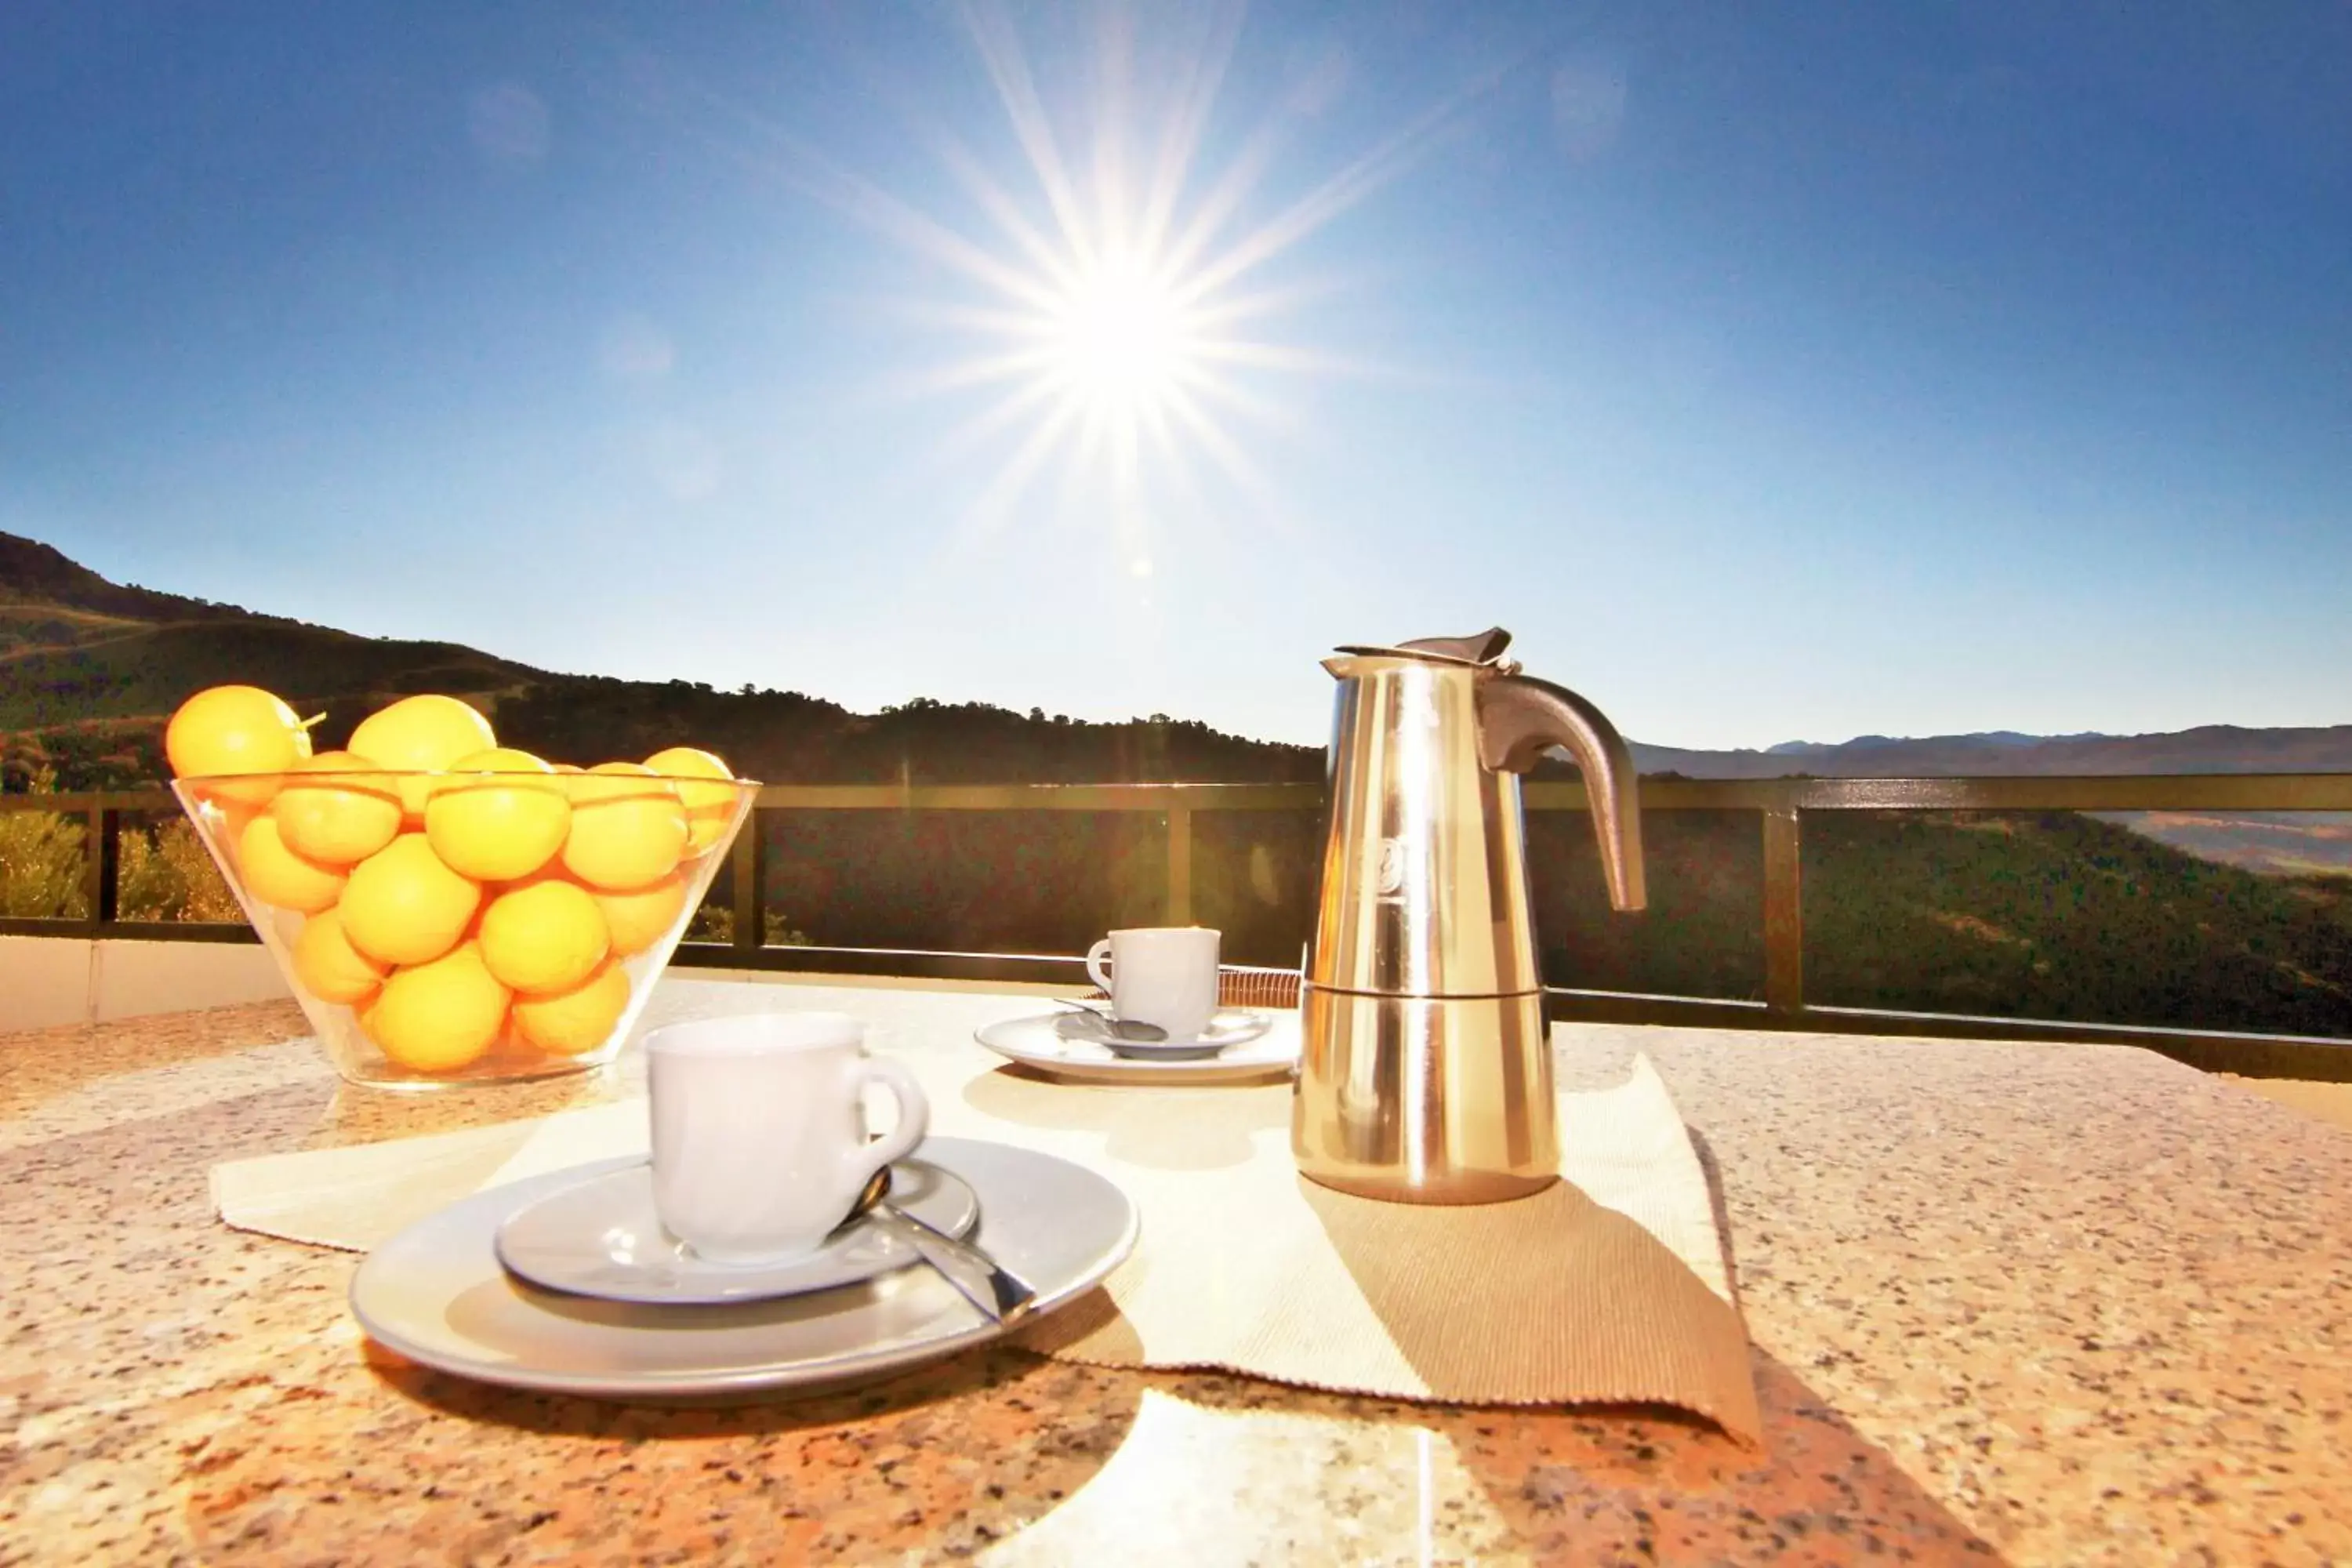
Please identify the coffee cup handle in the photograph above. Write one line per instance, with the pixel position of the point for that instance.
(1096, 957)
(914, 1116)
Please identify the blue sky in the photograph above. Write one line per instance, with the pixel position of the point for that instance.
(1776, 373)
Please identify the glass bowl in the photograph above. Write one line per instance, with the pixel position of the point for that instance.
(444, 929)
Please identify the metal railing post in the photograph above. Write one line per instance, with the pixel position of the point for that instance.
(747, 865)
(1179, 866)
(102, 864)
(1784, 917)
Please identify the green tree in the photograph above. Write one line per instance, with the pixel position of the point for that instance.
(41, 860)
(170, 877)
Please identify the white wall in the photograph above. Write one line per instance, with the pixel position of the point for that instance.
(44, 980)
(51, 980)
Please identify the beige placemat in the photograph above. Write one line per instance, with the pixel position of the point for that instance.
(1610, 1288)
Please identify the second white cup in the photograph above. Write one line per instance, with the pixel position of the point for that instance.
(760, 1142)
(1165, 975)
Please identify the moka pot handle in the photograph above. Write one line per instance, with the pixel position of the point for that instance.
(1520, 717)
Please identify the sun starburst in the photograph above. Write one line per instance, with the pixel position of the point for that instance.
(1123, 327)
(1118, 318)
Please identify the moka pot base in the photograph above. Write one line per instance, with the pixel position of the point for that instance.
(1426, 1100)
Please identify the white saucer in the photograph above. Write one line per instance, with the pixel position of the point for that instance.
(1228, 1027)
(435, 1293)
(1041, 1042)
(601, 1236)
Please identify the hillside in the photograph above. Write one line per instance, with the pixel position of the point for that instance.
(2038, 915)
(2052, 915)
(46, 599)
(2287, 843)
(90, 670)
(2025, 914)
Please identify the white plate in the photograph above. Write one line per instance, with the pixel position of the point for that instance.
(601, 1236)
(436, 1294)
(1039, 1042)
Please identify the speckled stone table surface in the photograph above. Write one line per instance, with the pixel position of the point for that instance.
(2023, 1303)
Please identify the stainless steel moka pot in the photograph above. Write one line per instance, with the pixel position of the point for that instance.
(1426, 1076)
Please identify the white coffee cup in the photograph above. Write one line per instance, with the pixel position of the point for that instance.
(1159, 974)
(759, 1143)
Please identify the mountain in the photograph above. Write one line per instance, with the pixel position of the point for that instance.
(91, 669)
(2210, 749)
(1873, 742)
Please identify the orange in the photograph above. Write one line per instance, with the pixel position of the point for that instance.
(628, 827)
(336, 808)
(504, 824)
(402, 905)
(235, 730)
(709, 807)
(439, 1016)
(511, 1051)
(330, 967)
(544, 935)
(277, 875)
(425, 733)
(640, 917)
(579, 1019)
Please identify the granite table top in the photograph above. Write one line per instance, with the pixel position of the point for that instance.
(2009, 1303)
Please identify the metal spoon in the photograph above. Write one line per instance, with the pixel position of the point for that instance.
(1119, 1028)
(987, 1284)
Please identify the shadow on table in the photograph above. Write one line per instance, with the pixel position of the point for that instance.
(1713, 1170)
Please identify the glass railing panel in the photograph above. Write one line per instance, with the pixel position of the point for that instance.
(164, 874)
(2063, 915)
(1254, 875)
(961, 882)
(1702, 934)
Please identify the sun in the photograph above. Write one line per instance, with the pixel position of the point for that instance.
(1121, 340)
(1113, 311)
(1123, 320)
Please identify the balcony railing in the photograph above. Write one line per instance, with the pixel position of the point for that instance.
(1781, 805)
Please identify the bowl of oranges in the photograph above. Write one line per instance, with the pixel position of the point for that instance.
(447, 909)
